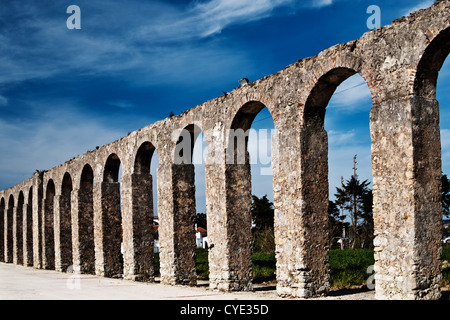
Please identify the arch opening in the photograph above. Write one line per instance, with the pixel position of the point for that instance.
(430, 102)
(250, 193)
(336, 189)
(430, 64)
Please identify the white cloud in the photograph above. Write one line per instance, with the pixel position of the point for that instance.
(341, 137)
(3, 101)
(321, 3)
(422, 5)
(48, 140)
(352, 95)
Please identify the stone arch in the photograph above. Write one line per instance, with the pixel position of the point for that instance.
(65, 223)
(314, 193)
(143, 158)
(18, 234)
(2, 230)
(9, 230)
(431, 61)
(83, 242)
(48, 237)
(425, 171)
(176, 230)
(238, 201)
(183, 152)
(111, 169)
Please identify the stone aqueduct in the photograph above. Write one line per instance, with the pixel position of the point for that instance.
(72, 214)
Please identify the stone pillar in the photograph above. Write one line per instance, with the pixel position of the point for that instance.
(18, 232)
(28, 233)
(107, 229)
(63, 232)
(176, 210)
(37, 220)
(228, 201)
(407, 200)
(83, 230)
(48, 234)
(2, 231)
(9, 238)
(300, 182)
(137, 198)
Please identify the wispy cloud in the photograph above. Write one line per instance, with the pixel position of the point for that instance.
(47, 140)
(3, 101)
(422, 5)
(352, 95)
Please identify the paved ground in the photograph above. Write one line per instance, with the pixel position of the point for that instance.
(23, 283)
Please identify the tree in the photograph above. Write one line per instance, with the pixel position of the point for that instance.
(263, 220)
(262, 212)
(354, 197)
(200, 219)
(335, 221)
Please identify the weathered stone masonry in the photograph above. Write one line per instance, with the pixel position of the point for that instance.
(79, 215)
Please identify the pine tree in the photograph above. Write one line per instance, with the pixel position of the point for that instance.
(353, 196)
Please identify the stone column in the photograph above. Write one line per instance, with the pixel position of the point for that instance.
(63, 232)
(228, 201)
(407, 200)
(300, 182)
(107, 229)
(83, 230)
(28, 234)
(48, 234)
(2, 231)
(37, 220)
(176, 210)
(18, 232)
(9, 234)
(137, 199)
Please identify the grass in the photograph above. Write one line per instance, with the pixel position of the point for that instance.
(347, 267)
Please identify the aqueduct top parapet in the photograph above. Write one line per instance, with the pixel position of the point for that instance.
(399, 62)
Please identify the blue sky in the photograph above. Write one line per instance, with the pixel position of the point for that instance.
(63, 92)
